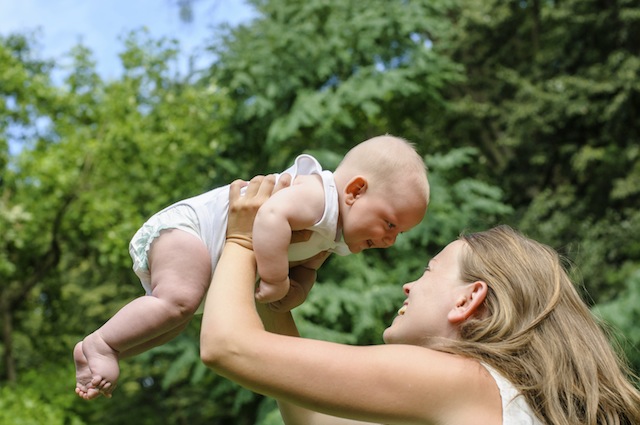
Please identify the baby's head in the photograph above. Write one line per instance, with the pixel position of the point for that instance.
(383, 190)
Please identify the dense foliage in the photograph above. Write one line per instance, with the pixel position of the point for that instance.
(526, 112)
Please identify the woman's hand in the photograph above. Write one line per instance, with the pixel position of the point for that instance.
(242, 212)
(244, 207)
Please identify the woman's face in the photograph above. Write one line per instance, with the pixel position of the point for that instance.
(430, 299)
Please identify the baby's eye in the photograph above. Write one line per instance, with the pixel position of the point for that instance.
(390, 225)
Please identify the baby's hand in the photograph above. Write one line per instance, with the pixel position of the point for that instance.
(268, 292)
(296, 296)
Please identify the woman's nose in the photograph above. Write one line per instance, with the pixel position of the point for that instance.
(406, 288)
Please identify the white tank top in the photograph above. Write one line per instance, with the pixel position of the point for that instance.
(325, 235)
(515, 409)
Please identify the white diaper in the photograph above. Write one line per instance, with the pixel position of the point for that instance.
(179, 216)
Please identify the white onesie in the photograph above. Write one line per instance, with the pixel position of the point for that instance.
(205, 216)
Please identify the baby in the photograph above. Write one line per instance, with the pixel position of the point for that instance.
(378, 190)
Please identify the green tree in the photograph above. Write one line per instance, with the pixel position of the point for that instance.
(326, 75)
(97, 159)
(25, 90)
(551, 101)
(623, 314)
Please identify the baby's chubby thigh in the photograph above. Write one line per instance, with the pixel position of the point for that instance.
(180, 269)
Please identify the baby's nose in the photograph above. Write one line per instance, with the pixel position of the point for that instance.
(389, 240)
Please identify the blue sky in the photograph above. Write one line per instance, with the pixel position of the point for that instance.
(100, 24)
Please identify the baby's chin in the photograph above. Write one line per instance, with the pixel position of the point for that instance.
(354, 249)
(358, 247)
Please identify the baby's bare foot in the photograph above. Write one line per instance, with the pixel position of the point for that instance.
(84, 378)
(102, 364)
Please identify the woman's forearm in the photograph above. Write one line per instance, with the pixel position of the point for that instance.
(297, 372)
(229, 311)
(233, 339)
(292, 414)
(283, 324)
(276, 322)
(235, 344)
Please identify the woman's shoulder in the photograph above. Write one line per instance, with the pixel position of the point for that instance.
(448, 387)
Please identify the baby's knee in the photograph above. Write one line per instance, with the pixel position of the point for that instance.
(182, 306)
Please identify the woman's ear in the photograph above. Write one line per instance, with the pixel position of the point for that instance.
(469, 302)
(354, 188)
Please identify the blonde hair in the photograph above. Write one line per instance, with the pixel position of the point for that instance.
(387, 160)
(536, 330)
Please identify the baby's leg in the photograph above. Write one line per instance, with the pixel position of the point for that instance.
(89, 387)
(162, 339)
(180, 269)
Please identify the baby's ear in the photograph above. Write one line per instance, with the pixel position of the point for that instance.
(355, 187)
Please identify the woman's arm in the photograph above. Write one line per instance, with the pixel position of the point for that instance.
(221, 333)
(390, 384)
(283, 324)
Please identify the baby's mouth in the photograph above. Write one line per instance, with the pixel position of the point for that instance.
(369, 243)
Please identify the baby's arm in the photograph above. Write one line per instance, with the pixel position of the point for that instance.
(294, 208)
(302, 278)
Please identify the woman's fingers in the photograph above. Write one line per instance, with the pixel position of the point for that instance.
(234, 191)
(243, 206)
(283, 182)
(264, 187)
(257, 191)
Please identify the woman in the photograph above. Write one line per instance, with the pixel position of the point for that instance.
(492, 333)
